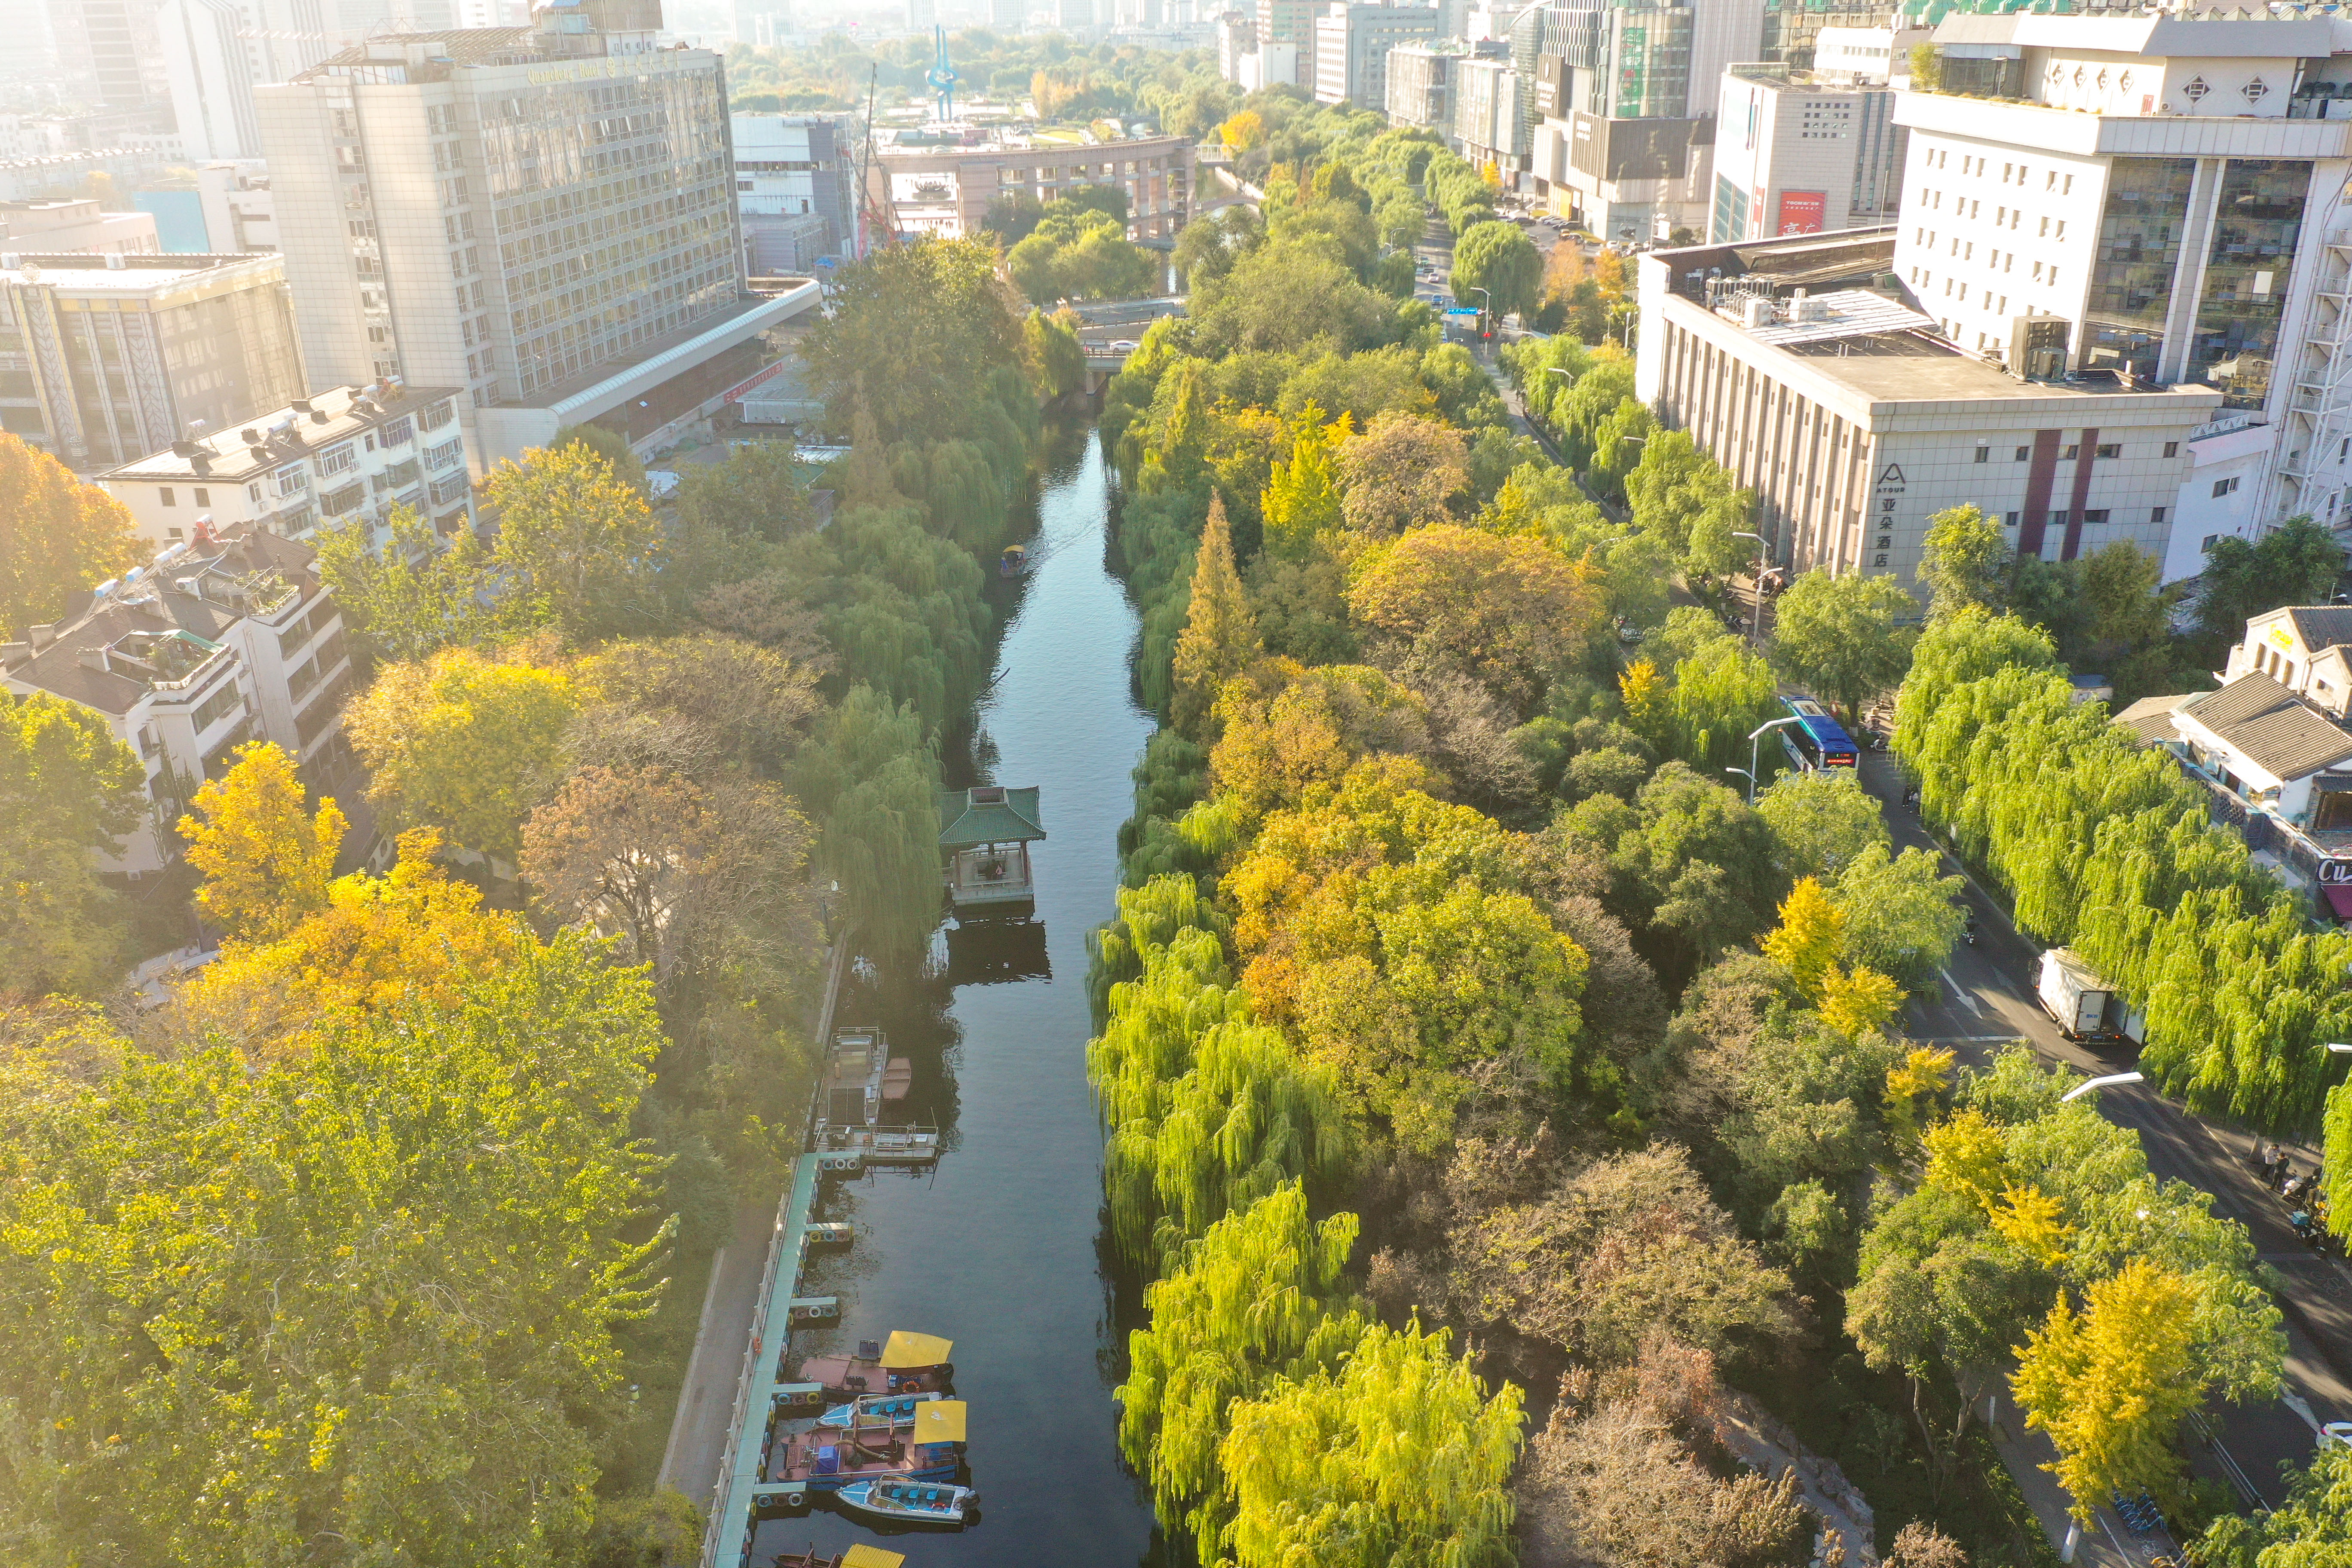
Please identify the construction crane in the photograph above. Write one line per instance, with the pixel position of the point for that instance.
(877, 214)
(942, 77)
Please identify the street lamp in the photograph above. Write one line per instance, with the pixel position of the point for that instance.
(1483, 311)
(1755, 738)
(2340, 1048)
(1756, 626)
(1743, 773)
(2088, 1084)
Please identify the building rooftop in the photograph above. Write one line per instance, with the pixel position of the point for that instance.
(2150, 718)
(282, 435)
(2320, 626)
(89, 272)
(159, 626)
(2269, 726)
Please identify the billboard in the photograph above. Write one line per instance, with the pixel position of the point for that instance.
(1801, 212)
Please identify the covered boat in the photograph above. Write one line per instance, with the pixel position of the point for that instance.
(1012, 563)
(905, 1364)
(827, 1458)
(874, 1409)
(858, 1556)
(907, 1502)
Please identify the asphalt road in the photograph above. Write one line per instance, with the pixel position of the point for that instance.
(1988, 1000)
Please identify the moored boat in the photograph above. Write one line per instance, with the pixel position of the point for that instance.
(878, 1409)
(904, 1364)
(860, 1555)
(827, 1458)
(1012, 562)
(905, 1502)
(897, 1078)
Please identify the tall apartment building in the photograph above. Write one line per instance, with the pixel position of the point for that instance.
(1797, 153)
(1799, 366)
(111, 49)
(793, 180)
(220, 640)
(2161, 209)
(1352, 40)
(1290, 22)
(543, 216)
(345, 456)
(1487, 123)
(105, 358)
(1420, 85)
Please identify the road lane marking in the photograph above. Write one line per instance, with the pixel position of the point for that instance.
(1960, 993)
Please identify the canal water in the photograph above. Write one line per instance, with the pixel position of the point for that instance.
(998, 1248)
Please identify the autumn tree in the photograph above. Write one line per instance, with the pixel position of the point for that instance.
(2112, 1383)
(1811, 937)
(70, 792)
(1510, 612)
(266, 857)
(1301, 503)
(1220, 639)
(463, 743)
(1401, 473)
(418, 595)
(609, 443)
(1842, 636)
(60, 535)
(580, 544)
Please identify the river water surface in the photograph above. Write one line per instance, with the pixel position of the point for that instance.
(997, 1249)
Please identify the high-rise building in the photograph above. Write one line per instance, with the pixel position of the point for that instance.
(1290, 21)
(113, 50)
(1352, 40)
(543, 216)
(2149, 202)
(1421, 86)
(122, 354)
(922, 16)
(210, 77)
(1486, 121)
(1797, 153)
(1074, 16)
(792, 188)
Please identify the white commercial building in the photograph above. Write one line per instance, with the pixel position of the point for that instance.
(1798, 366)
(793, 187)
(346, 456)
(219, 641)
(2162, 210)
(240, 212)
(1352, 39)
(1797, 153)
(1489, 121)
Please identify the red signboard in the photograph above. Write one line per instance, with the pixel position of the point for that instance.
(1801, 211)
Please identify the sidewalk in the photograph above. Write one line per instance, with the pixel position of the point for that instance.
(2112, 1544)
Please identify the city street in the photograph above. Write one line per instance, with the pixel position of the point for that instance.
(1988, 1000)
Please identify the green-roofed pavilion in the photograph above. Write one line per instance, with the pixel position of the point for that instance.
(984, 837)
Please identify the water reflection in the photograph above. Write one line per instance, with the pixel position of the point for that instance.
(997, 952)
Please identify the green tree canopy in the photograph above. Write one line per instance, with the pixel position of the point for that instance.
(1841, 635)
(580, 544)
(1963, 562)
(418, 595)
(1500, 258)
(70, 792)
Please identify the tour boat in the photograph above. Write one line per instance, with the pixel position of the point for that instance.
(905, 1364)
(907, 1502)
(876, 1409)
(827, 1458)
(1012, 563)
(858, 1556)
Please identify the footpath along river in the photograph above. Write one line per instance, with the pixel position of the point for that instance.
(998, 1248)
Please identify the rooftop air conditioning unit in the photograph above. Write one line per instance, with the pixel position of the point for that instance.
(1756, 310)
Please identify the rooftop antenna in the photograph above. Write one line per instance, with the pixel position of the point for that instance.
(942, 77)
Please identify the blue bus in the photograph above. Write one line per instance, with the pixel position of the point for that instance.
(1819, 741)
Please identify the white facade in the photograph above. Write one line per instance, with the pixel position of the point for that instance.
(240, 212)
(1352, 40)
(1797, 154)
(1487, 120)
(2168, 201)
(214, 643)
(210, 77)
(1853, 439)
(792, 185)
(1272, 65)
(345, 456)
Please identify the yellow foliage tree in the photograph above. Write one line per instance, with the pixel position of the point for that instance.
(373, 944)
(266, 861)
(2029, 1219)
(2112, 1383)
(1244, 130)
(462, 742)
(1812, 931)
(1857, 1001)
(1220, 639)
(1644, 694)
(1921, 1078)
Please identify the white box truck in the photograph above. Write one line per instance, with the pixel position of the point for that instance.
(2086, 1006)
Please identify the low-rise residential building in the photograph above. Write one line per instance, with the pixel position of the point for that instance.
(223, 639)
(105, 357)
(1802, 366)
(347, 455)
(240, 214)
(2274, 745)
(76, 224)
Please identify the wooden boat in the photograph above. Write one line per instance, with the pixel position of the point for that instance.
(897, 1078)
(1012, 562)
(858, 1556)
(905, 1364)
(878, 1409)
(827, 1458)
(900, 1146)
(905, 1502)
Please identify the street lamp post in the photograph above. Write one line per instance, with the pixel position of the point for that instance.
(1483, 311)
(2088, 1084)
(1755, 740)
(1743, 773)
(1756, 622)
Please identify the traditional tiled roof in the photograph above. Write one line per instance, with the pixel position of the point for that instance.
(2151, 717)
(2271, 727)
(988, 815)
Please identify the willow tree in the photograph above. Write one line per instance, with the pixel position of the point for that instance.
(1399, 1459)
(1263, 1294)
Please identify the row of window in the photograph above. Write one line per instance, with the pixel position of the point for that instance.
(2053, 180)
(2073, 450)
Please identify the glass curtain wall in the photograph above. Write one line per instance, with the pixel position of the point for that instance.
(2132, 279)
(2254, 234)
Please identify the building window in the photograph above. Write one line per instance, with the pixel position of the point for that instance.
(2073, 450)
(1984, 448)
(253, 494)
(2157, 515)
(2058, 516)
(163, 495)
(293, 480)
(2010, 521)
(2109, 450)
(204, 497)
(2173, 449)
(336, 459)
(2094, 514)
(2023, 453)
(2224, 487)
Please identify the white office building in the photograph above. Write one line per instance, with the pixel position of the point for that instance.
(1352, 39)
(793, 182)
(2153, 201)
(1801, 152)
(1489, 126)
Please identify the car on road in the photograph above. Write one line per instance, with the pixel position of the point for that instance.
(1125, 346)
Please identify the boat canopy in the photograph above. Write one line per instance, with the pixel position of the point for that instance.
(864, 1556)
(905, 1350)
(942, 1421)
(988, 814)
